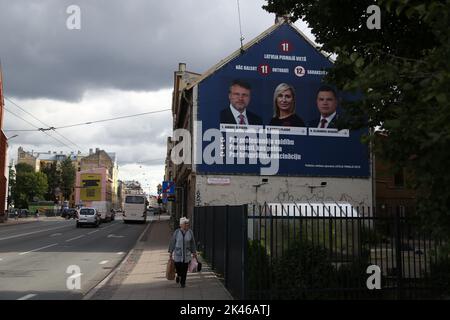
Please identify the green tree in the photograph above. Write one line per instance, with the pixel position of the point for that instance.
(403, 73)
(68, 172)
(29, 185)
(11, 186)
(54, 180)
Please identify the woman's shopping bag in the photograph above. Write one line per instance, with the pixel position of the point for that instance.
(170, 270)
(193, 265)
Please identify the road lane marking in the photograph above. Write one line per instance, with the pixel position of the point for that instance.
(120, 252)
(28, 296)
(28, 233)
(114, 236)
(55, 234)
(52, 245)
(93, 232)
(104, 262)
(76, 238)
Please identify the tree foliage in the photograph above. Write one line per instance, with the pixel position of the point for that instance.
(402, 70)
(54, 180)
(29, 185)
(68, 172)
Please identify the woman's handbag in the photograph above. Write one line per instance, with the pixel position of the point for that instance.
(170, 270)
(193, 265)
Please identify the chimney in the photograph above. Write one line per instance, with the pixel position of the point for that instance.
(285, 17)
(97, 150)
(90, 151)
(182, 67)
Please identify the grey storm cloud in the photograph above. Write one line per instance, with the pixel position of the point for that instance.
(127, 45)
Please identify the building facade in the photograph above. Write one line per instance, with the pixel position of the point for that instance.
(3, 158)
(332, 165)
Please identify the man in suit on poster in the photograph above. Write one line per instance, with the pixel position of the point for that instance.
(239, 95)
(326, 102)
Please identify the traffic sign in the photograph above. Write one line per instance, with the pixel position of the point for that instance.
(168, 187)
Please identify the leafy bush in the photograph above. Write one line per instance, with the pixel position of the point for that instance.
(439, 276)
(303, 272)
(259, 271)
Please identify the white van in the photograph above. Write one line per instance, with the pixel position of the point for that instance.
(88, 216)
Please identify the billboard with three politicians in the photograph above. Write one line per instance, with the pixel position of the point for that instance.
(272, 87)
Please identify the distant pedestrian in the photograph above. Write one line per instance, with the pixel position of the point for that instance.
(36, 213)
(182, 246)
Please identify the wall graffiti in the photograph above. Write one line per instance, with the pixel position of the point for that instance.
(198, 198)
(285, 196)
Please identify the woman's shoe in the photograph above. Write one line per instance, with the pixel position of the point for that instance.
(183, 285)
(177, 279)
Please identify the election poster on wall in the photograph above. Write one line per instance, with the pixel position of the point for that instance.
(272, 108)
(91, 187)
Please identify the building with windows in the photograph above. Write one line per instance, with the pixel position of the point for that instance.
(3, 158)
(215, 159)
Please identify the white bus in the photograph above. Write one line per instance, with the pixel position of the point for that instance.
(135, 208)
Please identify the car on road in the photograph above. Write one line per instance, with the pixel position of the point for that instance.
(69, 213)
(88, 216)
(19, 213)
(153, 210)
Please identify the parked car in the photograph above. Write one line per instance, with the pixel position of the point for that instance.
(88, 216)
(69, 213)
(23, 213)
(153, 210)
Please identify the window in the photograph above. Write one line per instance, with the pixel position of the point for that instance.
(399, 179)
(87, 212)
(134, 199)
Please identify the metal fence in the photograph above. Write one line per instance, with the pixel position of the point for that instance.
(221, 235)
(320, 251)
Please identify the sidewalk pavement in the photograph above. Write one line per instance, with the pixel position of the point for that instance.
(146, 278)
(12, 221)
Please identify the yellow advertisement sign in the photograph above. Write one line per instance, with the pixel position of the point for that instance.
(91, 187)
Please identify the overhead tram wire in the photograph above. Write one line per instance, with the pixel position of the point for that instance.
(93, 122)
(112, 119)
(64, 144)
(70, 141)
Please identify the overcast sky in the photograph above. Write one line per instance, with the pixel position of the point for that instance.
(120, 62)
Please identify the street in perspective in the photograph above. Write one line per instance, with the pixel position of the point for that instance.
(277, 150)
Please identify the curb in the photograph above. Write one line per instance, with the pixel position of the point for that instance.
(89, 294)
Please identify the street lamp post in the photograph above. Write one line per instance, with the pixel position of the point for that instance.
(9, 191)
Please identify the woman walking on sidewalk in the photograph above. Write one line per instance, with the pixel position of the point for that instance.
(181, 247)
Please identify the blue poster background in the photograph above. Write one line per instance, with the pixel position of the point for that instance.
(265, 65)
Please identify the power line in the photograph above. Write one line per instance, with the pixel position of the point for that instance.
(41, 122)
(64, 144)
(91, 122)
(112, 119)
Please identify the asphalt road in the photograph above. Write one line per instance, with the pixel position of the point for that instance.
(56, 260)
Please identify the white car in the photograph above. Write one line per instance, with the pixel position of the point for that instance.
(88, 216)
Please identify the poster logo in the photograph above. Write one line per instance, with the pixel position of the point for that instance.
(264, 69)
(286, 46)
(299, 71)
